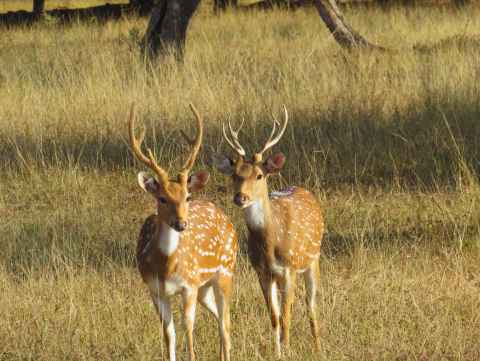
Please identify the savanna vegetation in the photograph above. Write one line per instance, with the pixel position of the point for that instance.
(388, 142)
(14, 5)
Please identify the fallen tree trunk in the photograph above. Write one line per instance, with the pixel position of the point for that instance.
(345, 36)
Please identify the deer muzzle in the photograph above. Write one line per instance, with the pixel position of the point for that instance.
(241, 199)
(179, 225)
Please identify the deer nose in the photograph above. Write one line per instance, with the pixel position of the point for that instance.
(240, 199)
(180, 226)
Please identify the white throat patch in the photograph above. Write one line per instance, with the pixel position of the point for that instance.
(255, 216)
(168, 241)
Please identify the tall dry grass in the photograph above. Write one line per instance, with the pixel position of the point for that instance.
(66, 93)
(387, 142)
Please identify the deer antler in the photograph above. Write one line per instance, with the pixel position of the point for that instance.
(136, 145)
(195, 143)
(234, 142)
(271, 139)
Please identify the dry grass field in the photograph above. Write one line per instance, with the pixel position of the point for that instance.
(389, 143)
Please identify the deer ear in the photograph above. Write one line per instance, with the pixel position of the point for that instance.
(224, 164)
(147, 182)
(198, 180)
(274, 163)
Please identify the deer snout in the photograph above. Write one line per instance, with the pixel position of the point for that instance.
(240, 199)
(179, 225)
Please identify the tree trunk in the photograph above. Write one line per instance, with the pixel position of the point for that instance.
(142, 6)
(345, 36)
(167, 28)
(38, 7)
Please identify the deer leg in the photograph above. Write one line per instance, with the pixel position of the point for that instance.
(206, 296)
(288, 294)
(222, 297)
(189, 304)
(311, 285)
(270, 293)
(162, 305)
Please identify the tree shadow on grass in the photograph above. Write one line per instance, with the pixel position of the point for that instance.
(458, 42)
(426, 148)
(100, 14)
(37, 249)
(444, 235)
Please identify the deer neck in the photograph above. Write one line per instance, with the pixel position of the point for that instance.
(168, 239)
(258, 217)
(158, 258)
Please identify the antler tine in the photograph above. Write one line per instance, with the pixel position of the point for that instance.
(234, 142)
(271, 142)
(136, 145)
(194, 143)
(270, 137)
(235, 134)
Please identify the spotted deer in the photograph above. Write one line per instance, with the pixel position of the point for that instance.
(285, 230)
(188, 247)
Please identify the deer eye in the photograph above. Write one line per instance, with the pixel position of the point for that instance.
(259, 176)
(189, 198)
(162, 200)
